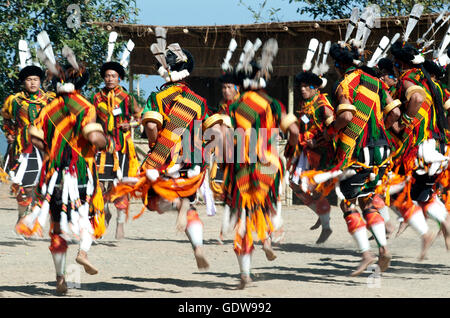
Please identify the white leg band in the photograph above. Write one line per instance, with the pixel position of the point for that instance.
(360, 236)
(245, 261)
(379, 231)
(194, 232)
(85, 241)
(59, 259)
(437, 210)
(418, 223)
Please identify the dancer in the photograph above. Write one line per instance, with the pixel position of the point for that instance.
(117, 112)
(312, 150)
(24, 161)
(174, 168)
(68, 134)
(253, 175)
(422, 134)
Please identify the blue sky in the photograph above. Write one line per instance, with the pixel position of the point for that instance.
(205, 12)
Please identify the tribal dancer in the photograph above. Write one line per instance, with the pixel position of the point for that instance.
(253, 176)
(422, 147)
(117, 112)
(174, 169)
(68, 134)
(362, 149)
(313, 151)
(24, 161)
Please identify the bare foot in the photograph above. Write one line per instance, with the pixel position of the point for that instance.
(367, 259)
(316, 225)
(277, 236)
(401, 228)
(324, 235)
(120, 233)
(384, 259)
(267, 247)
(61, 286)
(427, 241)
(83, 260)
(202, 263)
(182, 215)
(245, 280)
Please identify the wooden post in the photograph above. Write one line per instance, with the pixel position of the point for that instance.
(291, 94)
(287, 190)
(130, 90)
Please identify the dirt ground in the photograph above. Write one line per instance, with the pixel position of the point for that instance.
(157, 262)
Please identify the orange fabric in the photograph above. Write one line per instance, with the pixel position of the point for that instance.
(354, 222)
(58, 244)
(373, 218)
(409, 212)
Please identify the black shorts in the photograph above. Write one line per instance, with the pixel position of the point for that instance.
(109, 174)
(422, 188)
(360, 184)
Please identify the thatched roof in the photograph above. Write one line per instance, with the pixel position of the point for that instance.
(208, 44)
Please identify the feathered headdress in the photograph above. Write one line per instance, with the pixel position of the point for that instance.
(251, 73)
(120, 66)
(69, 78)
(315, 77)
(401, 49)
(27, 67)
(228, 75)
(174, 62)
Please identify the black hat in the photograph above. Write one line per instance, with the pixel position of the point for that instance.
(406, 53)
(31, 70)
(115, 66)
(228, 77)
(343, 55)
(434, 69)
(308, 78)
(386, 66)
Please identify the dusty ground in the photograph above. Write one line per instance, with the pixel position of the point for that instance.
(156, 261)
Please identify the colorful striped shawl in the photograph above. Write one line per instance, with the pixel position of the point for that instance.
(62, 122)
(180, 106)
(424, 124)
(368, 95)
(19, 111)
(250, 184)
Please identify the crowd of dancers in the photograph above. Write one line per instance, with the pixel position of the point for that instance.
(379, 140)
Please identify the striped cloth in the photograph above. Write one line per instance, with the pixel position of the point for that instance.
(19, 111)
(62, 122)
(106, 103)
(252, 181)
(368, 95)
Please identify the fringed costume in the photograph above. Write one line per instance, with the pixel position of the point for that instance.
(174, 168)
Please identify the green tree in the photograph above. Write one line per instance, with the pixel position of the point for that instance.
(341, 9)
(25, 19)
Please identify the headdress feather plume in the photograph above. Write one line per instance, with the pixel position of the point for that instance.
(45, 54)
(70, 56)
(231, 48)
(126, 53)
(111, 43)
(312, 48)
